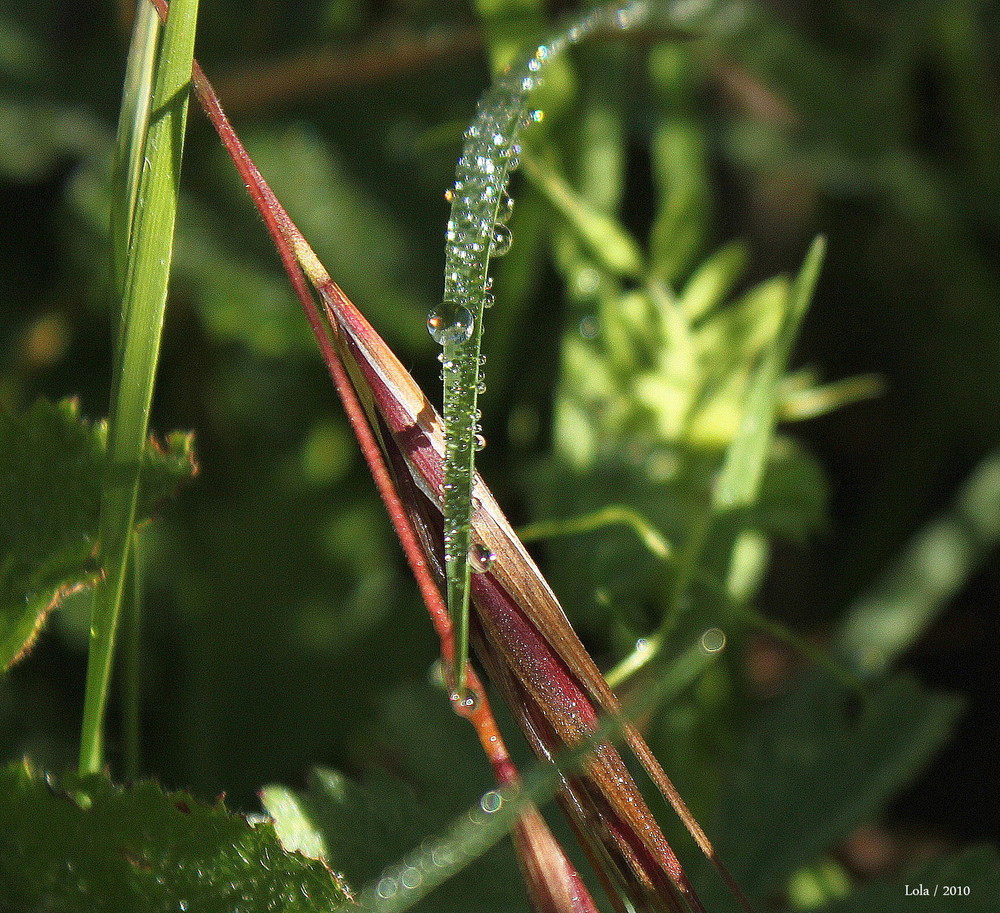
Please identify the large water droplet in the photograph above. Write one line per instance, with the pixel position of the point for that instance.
(480, 442)
(481, 558)
(502, 239)
(506, 209)
(450, 324)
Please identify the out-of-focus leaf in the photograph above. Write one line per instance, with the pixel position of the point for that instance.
(368, 827)
(901, 604)
(727, 342)
(51, 472)
(802, 398)
(818, 764)
(793, 493)
(35, 136)
(292, 824)
(977, 869)
(680, 165)
(87, 846)
(236, 296)
(359, 242)
(364, 826)
(713, 280)
(607, 241)
(746, 457)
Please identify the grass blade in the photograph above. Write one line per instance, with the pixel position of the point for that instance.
(143, 305)
(746, 459)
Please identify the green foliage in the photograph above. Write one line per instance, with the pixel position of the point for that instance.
(81, 843)
(977, 870)
(629, 335)
(936, 563)
(849, 756)
(381, 838)
(54, 467)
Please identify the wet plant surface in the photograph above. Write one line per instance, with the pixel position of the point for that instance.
(762, 487)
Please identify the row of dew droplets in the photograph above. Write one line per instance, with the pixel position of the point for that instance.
(477, 231)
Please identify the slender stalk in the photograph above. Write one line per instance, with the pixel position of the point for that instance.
(613, 515)
(143, 305)
(132, 664)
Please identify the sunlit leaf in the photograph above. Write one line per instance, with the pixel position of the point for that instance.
(50, 486)
(83, 844)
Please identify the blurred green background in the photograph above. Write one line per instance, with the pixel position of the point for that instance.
(281, 629)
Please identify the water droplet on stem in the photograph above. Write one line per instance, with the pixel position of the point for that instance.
(506, 209)
(481, 558)
(501, 241)
(450, 324)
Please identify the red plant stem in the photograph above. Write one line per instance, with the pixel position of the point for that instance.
(286, 235)
(287, 238)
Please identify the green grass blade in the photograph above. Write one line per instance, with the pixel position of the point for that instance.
(746, 458)
(130, 141)
(934, 566)
(143, 305)
(476, 233)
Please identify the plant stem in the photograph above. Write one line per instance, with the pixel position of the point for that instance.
(147, 273)
(132, 665)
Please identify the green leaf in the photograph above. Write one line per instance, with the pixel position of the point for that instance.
(819, 764)
(52, 466)
(746, 458)
(148, 245)
(87, 845)
(977, 869)
(611, 246)
(373, 828)
(933, 567)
